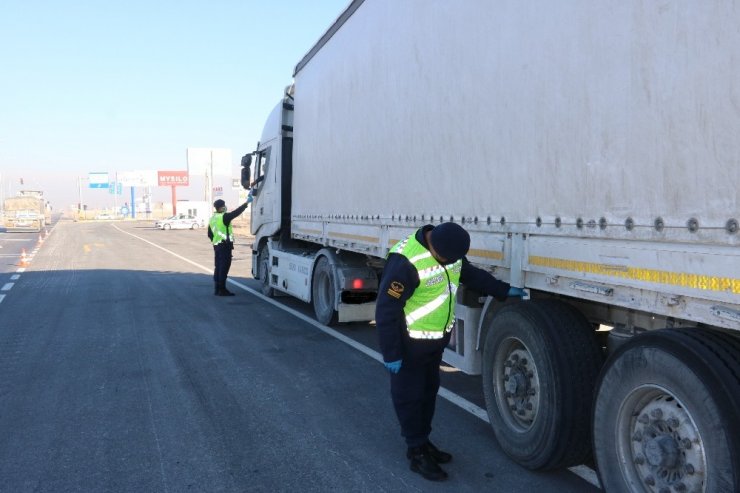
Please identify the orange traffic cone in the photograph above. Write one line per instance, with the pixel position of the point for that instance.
(24, 259)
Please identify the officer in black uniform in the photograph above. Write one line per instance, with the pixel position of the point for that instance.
(413, 362)
(223, 250)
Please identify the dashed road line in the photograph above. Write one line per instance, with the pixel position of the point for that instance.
(7, 286)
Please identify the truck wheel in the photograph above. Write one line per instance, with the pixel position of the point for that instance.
(166, 227)
(540, 365)
(667, 413)
(323, 293)
(264, 264)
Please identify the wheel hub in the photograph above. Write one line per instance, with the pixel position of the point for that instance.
(520, 386)
(666, 449)
(662, 451)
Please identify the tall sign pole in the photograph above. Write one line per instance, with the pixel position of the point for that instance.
(174, 179)
(211, 182)
(210, 161)
(134, 179)
(133, 203)
(79, 196)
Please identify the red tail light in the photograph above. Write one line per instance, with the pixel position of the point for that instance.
(357, 284)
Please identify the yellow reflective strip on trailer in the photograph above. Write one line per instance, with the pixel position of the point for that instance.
(682, 279)
(474, 252)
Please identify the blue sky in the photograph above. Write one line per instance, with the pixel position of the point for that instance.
(116, 86)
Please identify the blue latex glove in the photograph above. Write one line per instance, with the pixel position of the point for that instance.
(250, 198)
(394, 366)
(516, 292)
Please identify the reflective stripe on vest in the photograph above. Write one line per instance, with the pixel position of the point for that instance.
(220, 231)
(430, 311)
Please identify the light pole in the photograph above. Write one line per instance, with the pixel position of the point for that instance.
(81, 208)
(79, 197)
(210, 180)
(115, 194)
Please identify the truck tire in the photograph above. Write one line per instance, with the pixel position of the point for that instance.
(323, 293)
(264, 265)
(667, 413)
(540, 365)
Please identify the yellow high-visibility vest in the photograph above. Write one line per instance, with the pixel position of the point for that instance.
(430, 311)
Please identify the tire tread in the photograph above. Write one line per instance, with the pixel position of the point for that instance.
(576, 359)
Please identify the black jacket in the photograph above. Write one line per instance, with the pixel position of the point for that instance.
(400, 275)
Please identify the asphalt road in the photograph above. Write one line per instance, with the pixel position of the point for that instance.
(120, 371)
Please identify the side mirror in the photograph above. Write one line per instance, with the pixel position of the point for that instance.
(246, 164)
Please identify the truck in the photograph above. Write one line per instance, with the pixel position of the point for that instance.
(591, 150)
(28, 211)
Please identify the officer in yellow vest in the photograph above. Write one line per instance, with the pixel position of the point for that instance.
(221, 234)
(415, 312)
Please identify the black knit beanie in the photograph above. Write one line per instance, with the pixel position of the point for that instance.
(450, 241)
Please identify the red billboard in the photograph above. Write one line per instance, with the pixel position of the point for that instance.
(172, 178)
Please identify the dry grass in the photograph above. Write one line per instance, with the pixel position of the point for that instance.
(241, 227)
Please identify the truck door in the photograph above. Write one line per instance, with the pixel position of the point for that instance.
(263, 189)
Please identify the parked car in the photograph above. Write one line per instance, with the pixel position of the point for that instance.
(180, 221)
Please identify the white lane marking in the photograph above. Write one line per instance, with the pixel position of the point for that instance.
(7, 286)
(2, 297)
(15, 277)
(21, 270)
(587, 474)
(584, 472)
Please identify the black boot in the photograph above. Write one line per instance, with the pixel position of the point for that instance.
(222, 291)
(423, 463)
(439, 456)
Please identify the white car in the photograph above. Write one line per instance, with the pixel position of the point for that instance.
(180, 221)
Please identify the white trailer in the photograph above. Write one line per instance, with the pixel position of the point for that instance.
(591, 150)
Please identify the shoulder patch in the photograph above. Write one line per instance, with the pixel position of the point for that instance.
(396, 289)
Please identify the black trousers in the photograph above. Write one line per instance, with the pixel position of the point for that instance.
(414, 393)
(222, 254)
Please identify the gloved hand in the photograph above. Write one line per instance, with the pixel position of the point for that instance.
(394, 366)
(250, 199)
(516, 292)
